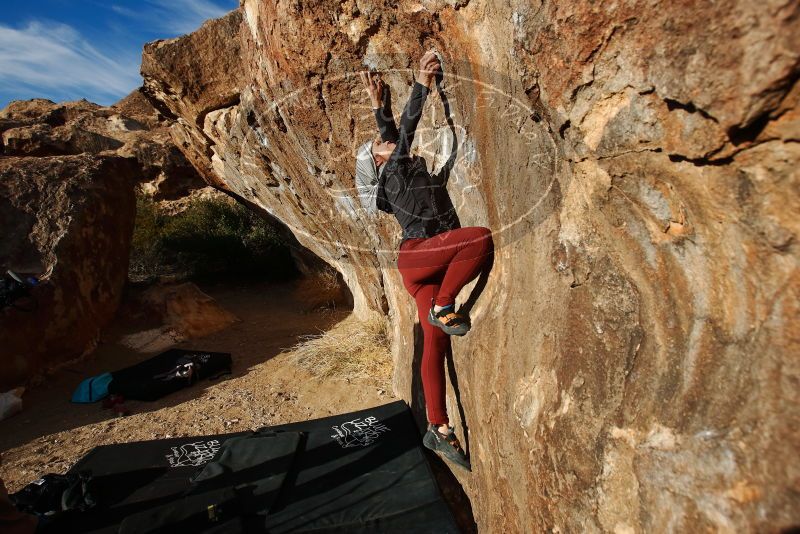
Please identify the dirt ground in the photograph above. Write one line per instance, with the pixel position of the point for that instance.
(52, 433)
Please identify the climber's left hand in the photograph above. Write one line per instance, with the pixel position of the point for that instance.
(374, 85)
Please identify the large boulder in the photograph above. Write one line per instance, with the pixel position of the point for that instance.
(633, 359)
(171, 313)
(69, 219)
(68, 173)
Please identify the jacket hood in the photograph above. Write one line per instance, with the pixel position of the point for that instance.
(366, 168)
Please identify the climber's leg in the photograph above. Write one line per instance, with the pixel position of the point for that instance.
(474, 248)
(436, 346)
(455, 257)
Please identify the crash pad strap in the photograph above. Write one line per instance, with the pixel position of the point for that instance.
(244, 478)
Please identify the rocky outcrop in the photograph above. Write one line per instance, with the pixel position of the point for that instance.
(48, 153)
(131, 128)
(70, 219)
(632, 364)
(67, 178)
(172, 313)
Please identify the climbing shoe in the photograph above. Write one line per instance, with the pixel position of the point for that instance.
(447, 444)
(449, 321)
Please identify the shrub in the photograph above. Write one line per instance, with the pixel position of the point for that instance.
(210, 238)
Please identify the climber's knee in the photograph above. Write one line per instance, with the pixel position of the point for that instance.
(483, 237)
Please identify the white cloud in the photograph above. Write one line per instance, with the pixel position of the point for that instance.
(48, 56)
(127, 12)
(53, 60)
(174, 17)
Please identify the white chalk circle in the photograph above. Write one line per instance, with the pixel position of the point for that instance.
(530, 139)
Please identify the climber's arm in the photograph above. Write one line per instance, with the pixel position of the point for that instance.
(413, 110)
(381, 105)
(444, 173)
(409, 120)
(385, 118)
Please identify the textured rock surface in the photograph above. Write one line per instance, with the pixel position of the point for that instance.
(173, 313)
(633, 361)
(130, 128)
(166, 174)
(70, 217)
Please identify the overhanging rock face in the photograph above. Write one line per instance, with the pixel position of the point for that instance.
(632, 364)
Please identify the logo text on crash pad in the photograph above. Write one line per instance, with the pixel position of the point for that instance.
(359, 432)
(193, 454)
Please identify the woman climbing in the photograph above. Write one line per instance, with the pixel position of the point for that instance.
(437, 257)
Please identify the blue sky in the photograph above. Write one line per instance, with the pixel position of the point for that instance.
(71, 49)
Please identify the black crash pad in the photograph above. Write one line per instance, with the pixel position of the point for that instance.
(168, 372)
(357, 473)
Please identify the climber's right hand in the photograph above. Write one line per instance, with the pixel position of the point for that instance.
(374, 85)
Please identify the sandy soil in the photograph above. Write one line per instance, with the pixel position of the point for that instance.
(51, 433)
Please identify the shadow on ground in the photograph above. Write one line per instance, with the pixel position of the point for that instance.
(272, 315)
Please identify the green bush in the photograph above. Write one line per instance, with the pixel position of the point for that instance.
(211, 238)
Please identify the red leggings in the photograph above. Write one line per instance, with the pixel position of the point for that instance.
(434, 270)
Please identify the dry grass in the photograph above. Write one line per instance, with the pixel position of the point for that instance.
(351, 350)
(328, 279)
(322, 290)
